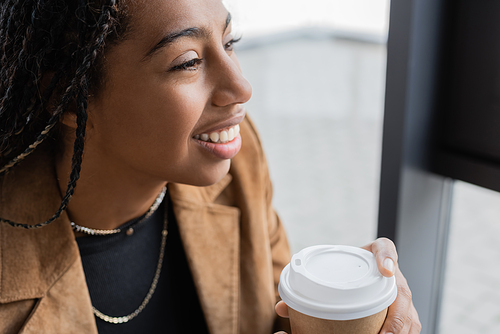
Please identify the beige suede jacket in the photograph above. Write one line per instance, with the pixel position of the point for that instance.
(234, 242)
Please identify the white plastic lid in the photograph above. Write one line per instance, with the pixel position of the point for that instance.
(336, 283)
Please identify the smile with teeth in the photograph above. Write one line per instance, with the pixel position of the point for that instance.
(220, 137)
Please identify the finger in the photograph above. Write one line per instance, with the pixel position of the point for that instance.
(408, 324)
(281, 309)
(416, 326)
(412, 324)
(400, 312)
(385, 254)
(406, 327)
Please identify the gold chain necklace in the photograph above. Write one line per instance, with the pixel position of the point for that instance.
(152, 288)
(130, 229)
(126, 318)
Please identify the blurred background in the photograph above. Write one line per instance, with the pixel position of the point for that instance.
(317, 68)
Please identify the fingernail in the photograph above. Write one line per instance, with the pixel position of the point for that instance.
(389, 265)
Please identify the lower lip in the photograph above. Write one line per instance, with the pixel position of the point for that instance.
(223, 151)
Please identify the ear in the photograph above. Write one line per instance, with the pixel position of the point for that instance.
(69, 116)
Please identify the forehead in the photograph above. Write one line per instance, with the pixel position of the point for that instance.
(155, 18)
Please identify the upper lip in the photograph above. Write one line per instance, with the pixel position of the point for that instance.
(235, 119)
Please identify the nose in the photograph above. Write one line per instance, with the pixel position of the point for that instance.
(231, 86)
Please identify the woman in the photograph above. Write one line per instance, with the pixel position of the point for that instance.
(105, 104)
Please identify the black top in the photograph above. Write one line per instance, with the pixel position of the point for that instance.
(119, 270)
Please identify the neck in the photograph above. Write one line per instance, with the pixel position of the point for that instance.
(106, 197)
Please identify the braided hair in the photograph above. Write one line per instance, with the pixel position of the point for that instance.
(63, 40)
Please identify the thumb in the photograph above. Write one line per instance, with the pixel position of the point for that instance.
(281, 309)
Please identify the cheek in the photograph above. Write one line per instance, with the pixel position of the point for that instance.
(144, 119)
(156, 105)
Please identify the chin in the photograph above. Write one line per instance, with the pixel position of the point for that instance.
(208, 175)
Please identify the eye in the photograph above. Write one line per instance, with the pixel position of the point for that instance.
(190, 65)
(229, 45)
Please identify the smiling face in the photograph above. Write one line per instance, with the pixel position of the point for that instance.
(170, 86)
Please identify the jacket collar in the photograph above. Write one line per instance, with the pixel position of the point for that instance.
(32, 260)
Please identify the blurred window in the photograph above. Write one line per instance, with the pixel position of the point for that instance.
(318, 74)
(471, 298)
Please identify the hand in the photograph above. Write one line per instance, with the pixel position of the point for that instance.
(402, 317)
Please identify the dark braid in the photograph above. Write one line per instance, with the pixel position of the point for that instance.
(66, 40)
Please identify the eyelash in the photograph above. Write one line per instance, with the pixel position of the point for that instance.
(191, 65)
(229, 45)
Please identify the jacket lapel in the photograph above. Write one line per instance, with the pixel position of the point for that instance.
(210, 234)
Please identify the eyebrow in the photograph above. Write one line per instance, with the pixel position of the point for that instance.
(189, 32)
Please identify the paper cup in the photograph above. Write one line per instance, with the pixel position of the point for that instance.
(336, 289)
